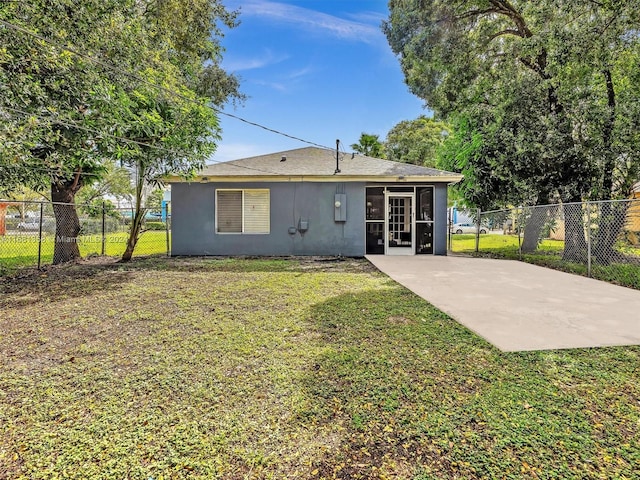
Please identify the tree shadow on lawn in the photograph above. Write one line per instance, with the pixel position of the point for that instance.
(401, 389)
(93, 265)
(241, 264)
(30, 286)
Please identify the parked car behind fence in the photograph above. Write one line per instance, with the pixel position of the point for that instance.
(33, 224)
(466, 228)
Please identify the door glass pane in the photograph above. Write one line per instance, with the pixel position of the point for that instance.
(399, 222)
(425, 204)
(375, 203)
(375, 237)
(424, 237)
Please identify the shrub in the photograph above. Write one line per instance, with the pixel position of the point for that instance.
(155, 226)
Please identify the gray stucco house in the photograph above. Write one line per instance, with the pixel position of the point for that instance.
(311, 201)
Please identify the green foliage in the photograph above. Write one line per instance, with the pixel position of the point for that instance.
(226, 368)
(154, 200)
(543, 96)
(115, 182)
(155, 226)
(487, 184)
(55, 90)
(93, 226)
(98, 207)
(369, 145)
(77, 111)
(416, 141)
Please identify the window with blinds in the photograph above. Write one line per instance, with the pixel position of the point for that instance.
(242, 211)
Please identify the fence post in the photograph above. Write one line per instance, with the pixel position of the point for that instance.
(589, 239)
(449, 227)
(104, 237)
(478, 213)
(166, 220)
(519, 223)
(40, 236)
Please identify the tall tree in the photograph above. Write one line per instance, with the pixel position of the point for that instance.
(62, 109)
(177, 130)
(534, 86)
(369, 145)
(46, 98)
(416, 141)
(175, 136)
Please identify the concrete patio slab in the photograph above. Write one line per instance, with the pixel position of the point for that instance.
(517, 306)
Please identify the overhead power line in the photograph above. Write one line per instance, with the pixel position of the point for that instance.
(70, 124)
(114, 68)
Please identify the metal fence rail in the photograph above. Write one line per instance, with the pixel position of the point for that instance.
(598, 239)
(29, 231)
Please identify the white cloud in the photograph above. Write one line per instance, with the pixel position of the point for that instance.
(281, 87)
(286, 81)
(265, 59)
(307, 19)
(303, 72)
(234, 151)
(371, 18)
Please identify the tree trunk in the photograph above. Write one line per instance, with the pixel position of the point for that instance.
(134, 234)
(138, 217)
(607, 140)
(610, 224)
(612, 215)
(534, 225)
(575, 243)
(67, 222)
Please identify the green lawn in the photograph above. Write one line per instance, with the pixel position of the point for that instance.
(232, 369)
(22, 250)
(500, 244)
(549, 254)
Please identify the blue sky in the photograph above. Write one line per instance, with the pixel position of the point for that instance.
(317, 70)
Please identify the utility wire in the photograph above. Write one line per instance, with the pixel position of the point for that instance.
(113, 68)
(104, 134)
(87, 129)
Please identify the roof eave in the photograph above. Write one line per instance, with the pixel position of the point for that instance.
(400, 179)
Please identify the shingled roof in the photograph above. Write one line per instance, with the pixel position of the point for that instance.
(318, 164)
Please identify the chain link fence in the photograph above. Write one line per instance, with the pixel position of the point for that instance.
(29, 232)
(597, 239)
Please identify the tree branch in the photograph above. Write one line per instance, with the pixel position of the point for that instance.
(76, 180)
(476, 13)
(508, 10)
(503, 8)
(535, 67)
(507, 31)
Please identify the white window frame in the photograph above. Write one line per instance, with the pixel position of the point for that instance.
(243, 191)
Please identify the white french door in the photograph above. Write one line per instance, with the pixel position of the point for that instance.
(399, 221)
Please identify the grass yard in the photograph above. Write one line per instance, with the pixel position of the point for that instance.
(22, 250)
(500, 244)
(298, 369)
(549, 254)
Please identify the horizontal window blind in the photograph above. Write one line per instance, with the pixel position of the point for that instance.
(229, 209)
(243, 211)
(256, 211)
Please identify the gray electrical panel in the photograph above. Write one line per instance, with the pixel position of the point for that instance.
(340, 209)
